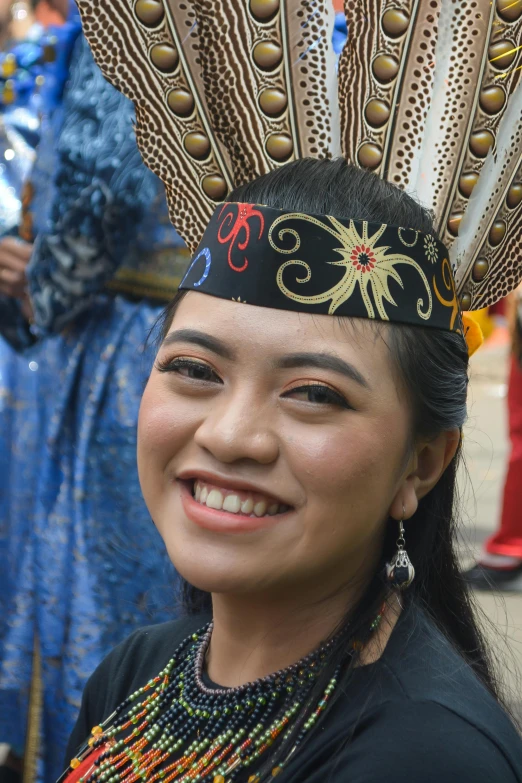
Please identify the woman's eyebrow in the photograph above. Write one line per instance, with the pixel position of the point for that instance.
(323, 361)
(199, 338)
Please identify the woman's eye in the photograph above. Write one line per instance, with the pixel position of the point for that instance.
(188, 368)
(318, 395)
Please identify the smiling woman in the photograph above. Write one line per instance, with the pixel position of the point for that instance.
(280, 454)
(300, 432)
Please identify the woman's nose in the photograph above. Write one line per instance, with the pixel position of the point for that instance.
(239, 428)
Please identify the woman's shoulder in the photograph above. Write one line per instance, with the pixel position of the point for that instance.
(430, 685)
(128, 667)
(425, 666)
(407, 740)
(419, 713)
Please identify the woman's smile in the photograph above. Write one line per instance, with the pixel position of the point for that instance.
(246, 504)
(229, 510)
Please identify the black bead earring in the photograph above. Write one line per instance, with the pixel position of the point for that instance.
(400, 572)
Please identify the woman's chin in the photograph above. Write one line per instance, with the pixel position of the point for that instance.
(213, 569)
(219, 562)
(215, 579)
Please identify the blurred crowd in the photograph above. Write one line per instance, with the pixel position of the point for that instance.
(88, 258)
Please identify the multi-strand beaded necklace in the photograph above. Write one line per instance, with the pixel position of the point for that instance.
(177, 728)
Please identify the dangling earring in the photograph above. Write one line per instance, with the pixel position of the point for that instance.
(400, 572)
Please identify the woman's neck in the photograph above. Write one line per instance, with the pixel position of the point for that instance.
(253, 638)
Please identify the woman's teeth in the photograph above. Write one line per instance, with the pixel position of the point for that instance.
(234, 503)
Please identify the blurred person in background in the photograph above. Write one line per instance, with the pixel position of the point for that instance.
(18, 18)
(82, 284)
(32, 52)
(500, 563)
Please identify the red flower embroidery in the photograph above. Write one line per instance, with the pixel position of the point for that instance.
(362, 258)
(235, 225)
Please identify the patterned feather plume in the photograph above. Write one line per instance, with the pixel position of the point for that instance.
(223, 92)
(430, 100)
(385, 83)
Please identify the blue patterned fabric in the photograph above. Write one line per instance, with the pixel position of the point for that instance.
(32, 105)
(103, 197)
(34, 83)
(84, 563)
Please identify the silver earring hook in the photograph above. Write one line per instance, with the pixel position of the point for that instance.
(401, 541)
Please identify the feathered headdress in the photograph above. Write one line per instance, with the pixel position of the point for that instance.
(429, 98)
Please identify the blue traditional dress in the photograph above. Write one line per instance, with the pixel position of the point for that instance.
(85, 563)
(24, 67)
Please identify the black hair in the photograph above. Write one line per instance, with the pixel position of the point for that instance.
(433, 367)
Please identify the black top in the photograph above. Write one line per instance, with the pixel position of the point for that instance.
(418, 715)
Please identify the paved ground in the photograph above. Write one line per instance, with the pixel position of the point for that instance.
(486, 447)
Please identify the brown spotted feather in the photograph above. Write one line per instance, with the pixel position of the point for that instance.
(143, 54)
(385, 81)
(488, 250)
(424, 87)
(223, 92)
(470, 154)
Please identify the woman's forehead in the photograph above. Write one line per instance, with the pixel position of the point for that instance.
(245, 328)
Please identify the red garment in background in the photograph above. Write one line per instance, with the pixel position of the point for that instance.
(508, 540)
(46, 15)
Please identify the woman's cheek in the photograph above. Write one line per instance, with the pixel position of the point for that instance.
(336, 457)
(159, 440)
(163, 423)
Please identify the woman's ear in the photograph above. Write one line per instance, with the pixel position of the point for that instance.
(430, 460)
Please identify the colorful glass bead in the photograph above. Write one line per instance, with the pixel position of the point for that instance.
(9, 66)
(176, 729)
(8, 93)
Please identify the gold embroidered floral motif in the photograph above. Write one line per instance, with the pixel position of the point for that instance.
(447, 277)
(367, 265)
(430, 248)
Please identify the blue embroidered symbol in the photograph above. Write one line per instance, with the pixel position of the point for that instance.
(208, 260)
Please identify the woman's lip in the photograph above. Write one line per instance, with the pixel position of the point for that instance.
(223, 521)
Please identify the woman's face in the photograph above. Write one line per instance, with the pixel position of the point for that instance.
(272, 446)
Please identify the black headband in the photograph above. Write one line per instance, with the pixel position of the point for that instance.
(322, 264)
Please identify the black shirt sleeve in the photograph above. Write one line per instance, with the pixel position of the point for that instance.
(413, 742)
(106, 687)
